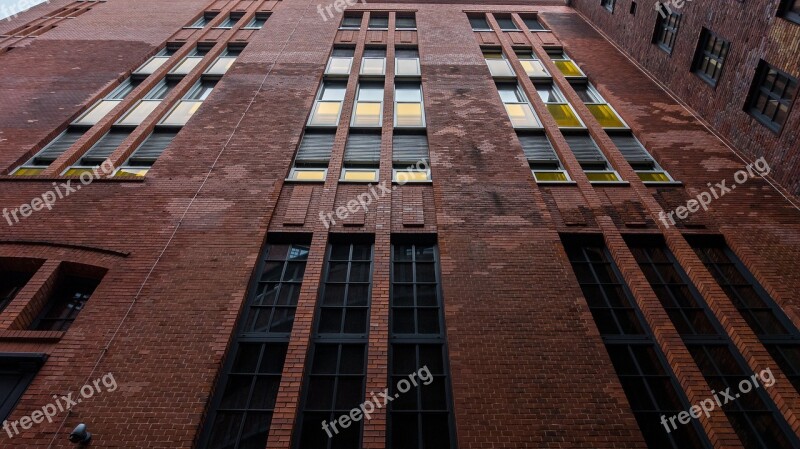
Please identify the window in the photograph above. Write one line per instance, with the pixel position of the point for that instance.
(517, 106)
(710, 56)
(374, 62)
(313, 155)
(542, 158)
(191, 102)
(340, 62)
(203, 20)
(12, 280)
(408, 109)
(99, 152)
(479, 23)
(639, 159)
(328, 105)
(351, 21)
(775, 330)
(421, 417)
(592, 160)
(368, 110)
(756, 420)
(141, 110)
(16, 373)
(602, 111)
(258, 22)
(240, 413)
(335, 381)
(565, 65)
(362, 156)
(666, 30)
(410, 157)
(499, 66)
(405, 21)
(139, 163)
(67, 299)
(608, 5)
(191, 61)
(407, 62)
(771, 96)
(647, 380)
(232, 19)
(632, 10)
(532, 65)
(224, 61)
(101, 108)
(558, 106)
(506, 22)
(37, 164)
(790, 10)
(154, 63)
(533, 23)
(378, 21)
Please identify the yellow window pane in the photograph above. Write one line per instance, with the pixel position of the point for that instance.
(326, 113)
(309, 175)
(564, 115)
(25, 171)
(186, 66)
(373, 66)
(499, 67)
(404, 176)
(550, 176)
(605, 115)
(602, 176)
(361, 175)
(139, 112)
(534, 69)
(521, 116)
(367, 114)
(77, 171)
(653, 177)
(97, 112)
(339, 66)
(568, 68)
(407, 67)
(127, 172)
(181, 113)
(409, 114)
(152, 65)
(221, 65)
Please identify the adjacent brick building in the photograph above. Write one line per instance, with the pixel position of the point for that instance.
(235, 221)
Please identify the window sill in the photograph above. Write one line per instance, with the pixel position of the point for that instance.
(610, 183)
(710, 81)
(405, 183)
(304, 181)
(770, 125)
(28, 335)
(69, 178)
(662, 183)
(557, 183)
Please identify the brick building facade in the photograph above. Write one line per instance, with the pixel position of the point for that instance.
(297, 209)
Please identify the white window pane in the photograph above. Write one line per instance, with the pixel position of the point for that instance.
(510, 94)
(370, 93)
(534, 68)
(182, 112)
(152, 65)
(373, 66)
(368, 114)
(97, 112)
(411, 93)
(186, 66)
(326, 113)
(499, 67)
(333, 91)
(221, 65)
(407, 67)
(521, 116)
(339, 66)
(139, 112)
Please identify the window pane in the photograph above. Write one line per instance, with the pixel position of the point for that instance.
(407, 67)
(409, 114)
(605, 115)
(534, 68)
(221, 65)
(100, 110)
(182, 112)
(367, 114)
(186, 66)
(564, 115)
(326, 113)
(152, 65)
(521, 116)
(499, 67)
(568, 68)
(139, 112)
(373, 66)
(339, 66)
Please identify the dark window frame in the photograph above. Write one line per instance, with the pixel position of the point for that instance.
(704, 56)
(70, 307)
(666, 31)
(608, 5)
(785, 10)
(28, 366)
(758, 91)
